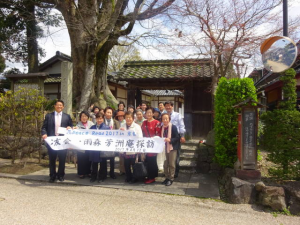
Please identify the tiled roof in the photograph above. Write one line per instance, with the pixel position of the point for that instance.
(163, 92)
(111, 76)
(167, 69)
(53, 80)
(59, 56)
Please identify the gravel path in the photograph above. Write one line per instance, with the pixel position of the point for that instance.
(24, 202)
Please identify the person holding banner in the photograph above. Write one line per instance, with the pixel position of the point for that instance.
(95, 155)
(151, 128)
(53, 121)
(113, 125)
(83, 161)
(130, 157)
(120, 117)
(172, 143)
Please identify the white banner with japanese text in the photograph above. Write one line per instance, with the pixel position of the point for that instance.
(106, 140)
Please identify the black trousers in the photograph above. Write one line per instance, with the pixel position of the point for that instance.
(83, 163)
(152, 167)
(95, 170)
(61, 154)
(103, 167)
(127, 164)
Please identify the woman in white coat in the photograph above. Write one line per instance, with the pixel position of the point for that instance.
(130, 157)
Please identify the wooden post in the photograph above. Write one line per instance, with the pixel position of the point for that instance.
(138, 97)
(131, 97)
(188, 116)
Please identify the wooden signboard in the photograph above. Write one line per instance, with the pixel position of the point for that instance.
(249, 133)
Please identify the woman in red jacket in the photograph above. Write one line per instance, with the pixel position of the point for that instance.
(151, 128)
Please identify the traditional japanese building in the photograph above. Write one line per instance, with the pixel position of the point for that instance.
(52, 85)
(192, 76)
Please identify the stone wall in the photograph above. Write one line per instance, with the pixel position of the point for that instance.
(206, 154)
(205, 162)
(278, 198)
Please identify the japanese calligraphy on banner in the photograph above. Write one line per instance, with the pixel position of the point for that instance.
(106, 140)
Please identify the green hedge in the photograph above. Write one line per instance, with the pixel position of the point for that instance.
(289, 90)
(21, 119)
(281, 132)
(229, 93)
(282, 140)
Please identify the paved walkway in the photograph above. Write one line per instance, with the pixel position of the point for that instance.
(198, 185)
(32, 202)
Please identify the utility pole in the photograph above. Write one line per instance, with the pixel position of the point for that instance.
(285, 19)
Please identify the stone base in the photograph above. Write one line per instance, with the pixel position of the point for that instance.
(249, 175)
(292, 190)
(273, 197)
(241, 192)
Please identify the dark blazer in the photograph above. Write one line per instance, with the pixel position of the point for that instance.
(49, 123)
(175, 138)
(95, 155)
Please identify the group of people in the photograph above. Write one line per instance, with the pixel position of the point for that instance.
(145, 121)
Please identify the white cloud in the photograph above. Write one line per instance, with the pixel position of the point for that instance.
(58, 39)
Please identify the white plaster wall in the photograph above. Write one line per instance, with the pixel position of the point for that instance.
(154, 104)
(54, 69)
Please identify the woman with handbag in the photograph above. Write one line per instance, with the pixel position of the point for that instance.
(172, 143)
(130, 157)
(83, 161)
(151, 128)
(113, 125)
(95, 155)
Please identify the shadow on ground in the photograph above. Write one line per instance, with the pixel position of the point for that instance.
(198, 185)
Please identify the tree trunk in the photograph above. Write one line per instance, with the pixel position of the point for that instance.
(79, 55)
(103, 92)
(81, 19)
(88, 80)
(31, 33)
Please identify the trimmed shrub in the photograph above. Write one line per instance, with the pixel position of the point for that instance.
(289, 90)
(229, 93)
(21, 118)
(282, 140)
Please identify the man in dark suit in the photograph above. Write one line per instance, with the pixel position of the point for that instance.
(50, 127)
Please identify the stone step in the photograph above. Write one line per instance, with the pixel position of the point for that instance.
(188, 148)
(188, 165)
(192, 142)
(189, 156)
